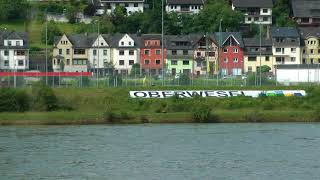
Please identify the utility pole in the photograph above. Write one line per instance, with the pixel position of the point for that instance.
(98, 54)
(219, 53)
(207, 59)
(162, 45)
(260, 55)
(46, 49)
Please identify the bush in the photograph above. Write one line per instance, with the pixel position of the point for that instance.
(44, 98)
(202, 114)
(112, 117)
(12, 100)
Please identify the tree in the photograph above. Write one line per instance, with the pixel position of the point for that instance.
(281, 12)
(62, 66)
(53, 31)
(71, 14)
(135, 70)
(13, 9)
(89, 10)
(264, 69)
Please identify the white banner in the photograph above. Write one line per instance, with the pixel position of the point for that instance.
(213, 93)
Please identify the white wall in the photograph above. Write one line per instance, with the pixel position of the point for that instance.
(298, 75)
(100, 45)
(287, 53)
(13, 60)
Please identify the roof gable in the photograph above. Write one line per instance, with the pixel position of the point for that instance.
(252, 3)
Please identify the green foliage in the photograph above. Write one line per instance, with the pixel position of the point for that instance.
(255, 116)
(12, 100)
(53, 31)
(13, 9)
(44, 98)
(264, 69)
(89, 10)
(184, 79)
(135, 70)
(71, 14)
(281, 12)
(113, 117)
(115, 80)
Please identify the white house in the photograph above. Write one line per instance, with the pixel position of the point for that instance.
(126, 52)
(108, 6)
(99, 55)
(255, 11)
(286, 45)
(183, 6)
(14, 52)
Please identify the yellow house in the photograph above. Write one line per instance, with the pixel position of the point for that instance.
(72, 51)
(252, 58)
(311, 46)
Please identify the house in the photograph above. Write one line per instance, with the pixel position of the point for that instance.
(179, 54)
(298, 73)
(252, 51)
(231, 53)
(14, 51)
(81, 53)
(184, 6)
(310, 37)
(306, 12)
(125, 52)
(151, 54)
(108, 6)
(286, 45)
(205, 50)
(255, 11)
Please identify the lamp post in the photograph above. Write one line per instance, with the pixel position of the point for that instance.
(219, 53)
(46, 48)
(260, 42)
(162, 44)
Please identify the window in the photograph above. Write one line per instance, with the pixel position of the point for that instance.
(94, 52)
(102, 44)
(212, 54)
(18, 43)
(68, 51)
(311, 61)
(235, 59)
(293, 50)
(60, 51)
(6, 63)
(235, 50)
(129, 43)
(58, 61)
(278, 50)
(105, 52)
(20, 63)
(146, 52)
(6, 52)
(225, 50)
(225, 60)
(249, 68)
(20, 53)
(318, 51)
(185, 52)
(267, 58)
(68, 61)
(256, 18)
(9, 43)
(126, 5)
(131, 62)
(157, 61)
(303, 61)
(185, 62)
(79, 51)
(311, 51)
(157, 52)
(122, 43)
(249, 19)
(318, 60)
(121, 52)
(304, 51)
(265, 18)
(146, 61)
(135, 5)
(174, 62)
(121, 62)
(254, 58)
(293, 59)
(131, 52)
(265, 10)
(174, 52)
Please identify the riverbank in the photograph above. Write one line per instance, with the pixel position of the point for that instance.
(114, 106)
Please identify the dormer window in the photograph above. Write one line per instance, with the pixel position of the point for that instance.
(129, 43)
(265, 10)
(122, 43)
(9, 43)
(18, 43)
(101, 44)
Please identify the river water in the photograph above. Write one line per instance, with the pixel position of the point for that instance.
(152, 152)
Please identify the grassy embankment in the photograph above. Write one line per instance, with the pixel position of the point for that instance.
(100, 106)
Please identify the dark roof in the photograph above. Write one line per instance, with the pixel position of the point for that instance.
(172, 39)
(115, 38)
(284, 32)
(200, 2)
(306, 8)
(12, 35)
(254, 42)
(145, 37)
(225, 35)
(306, 32)
(252, 3)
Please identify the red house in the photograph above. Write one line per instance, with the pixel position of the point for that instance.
(151, 55)
(231, 53)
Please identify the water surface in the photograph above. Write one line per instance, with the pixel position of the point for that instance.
(189, 151)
